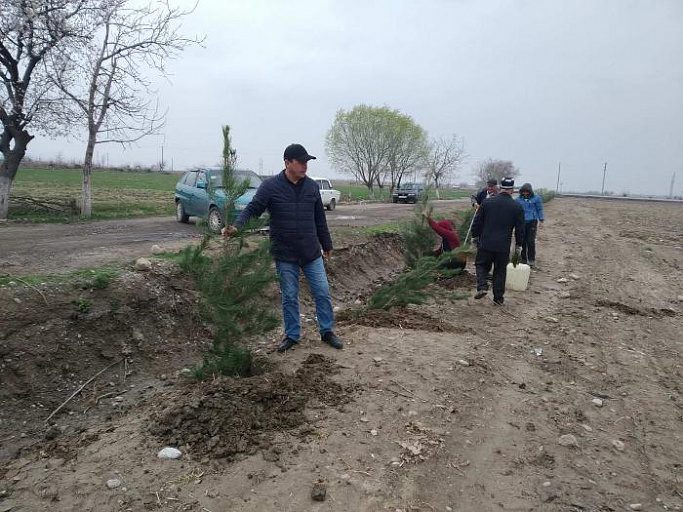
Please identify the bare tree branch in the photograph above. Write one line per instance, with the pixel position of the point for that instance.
(30, 31)
(445, 157)
(114, 101)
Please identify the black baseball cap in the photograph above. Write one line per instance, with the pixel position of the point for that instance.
(492, 182)
(297, 152)
(507, 183)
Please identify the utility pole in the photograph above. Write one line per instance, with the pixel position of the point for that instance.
(604, 173)
(671, 187)
(260, 166)
(163, 141)
(559, 169)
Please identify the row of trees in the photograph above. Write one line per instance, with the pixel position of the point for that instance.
(84, 66)
(380, 146)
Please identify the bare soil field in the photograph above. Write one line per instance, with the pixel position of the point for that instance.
(567, 399)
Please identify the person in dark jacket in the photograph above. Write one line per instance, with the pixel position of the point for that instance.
(492, 234)
(533, 215)
(490, 190)
(449, 238)
(298, 229)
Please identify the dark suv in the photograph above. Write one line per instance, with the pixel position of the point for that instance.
(408, 193)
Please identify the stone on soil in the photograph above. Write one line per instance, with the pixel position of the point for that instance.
(568, 440)
(169, 453)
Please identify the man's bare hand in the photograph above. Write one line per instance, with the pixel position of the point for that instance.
(327, 254)
(228, 231)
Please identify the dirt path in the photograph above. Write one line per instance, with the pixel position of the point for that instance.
(459, 414)
(49, 248)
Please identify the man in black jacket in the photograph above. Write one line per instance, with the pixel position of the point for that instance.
(492, 233)
(490, 190)
(298, 229)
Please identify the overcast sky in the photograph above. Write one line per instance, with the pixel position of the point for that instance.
(535, 82)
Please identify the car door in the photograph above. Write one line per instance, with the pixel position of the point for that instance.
(186, 192)
(201, 195)
(321, 186)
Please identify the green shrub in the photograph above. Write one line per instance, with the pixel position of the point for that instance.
(545, 194)
(83, 305)
(411, 287)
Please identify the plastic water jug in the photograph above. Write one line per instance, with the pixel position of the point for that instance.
(517, 278)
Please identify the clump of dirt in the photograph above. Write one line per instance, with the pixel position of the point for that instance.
(463, 281)
(228, 417)
(630, 310)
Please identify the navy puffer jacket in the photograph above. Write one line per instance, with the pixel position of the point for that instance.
(298, 226)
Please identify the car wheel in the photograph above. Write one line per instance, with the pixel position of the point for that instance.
(332, 205)
(180, 214)
(215, 220)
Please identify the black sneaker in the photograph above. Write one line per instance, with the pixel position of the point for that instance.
(287, 344)
(480, 294)
(498, 302)
(332, 340)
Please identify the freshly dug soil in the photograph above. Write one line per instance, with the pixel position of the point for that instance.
(229, 417)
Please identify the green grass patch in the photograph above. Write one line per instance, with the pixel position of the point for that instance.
(98, 278)
(116, 194)
(355, 192)
(388, 227)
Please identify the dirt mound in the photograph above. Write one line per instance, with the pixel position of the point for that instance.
(228, 417)
(53, 340)
(356, 271)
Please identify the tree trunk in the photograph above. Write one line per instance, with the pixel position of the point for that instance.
(371, 190)
(9, 167)
(5, 185)
(86, 192)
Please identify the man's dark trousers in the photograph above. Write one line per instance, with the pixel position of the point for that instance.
(529, 243)
(483, 262)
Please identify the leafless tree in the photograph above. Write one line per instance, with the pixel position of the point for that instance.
(445, 157)
(30, 32)
(495, 169)
(108, 79)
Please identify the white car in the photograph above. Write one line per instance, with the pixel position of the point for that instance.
(329, 195)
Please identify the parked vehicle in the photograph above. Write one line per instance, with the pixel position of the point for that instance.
(408, 193)
(329, 195)
(200, 193)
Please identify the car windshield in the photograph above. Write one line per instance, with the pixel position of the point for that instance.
(217, 178)
(409, 186)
